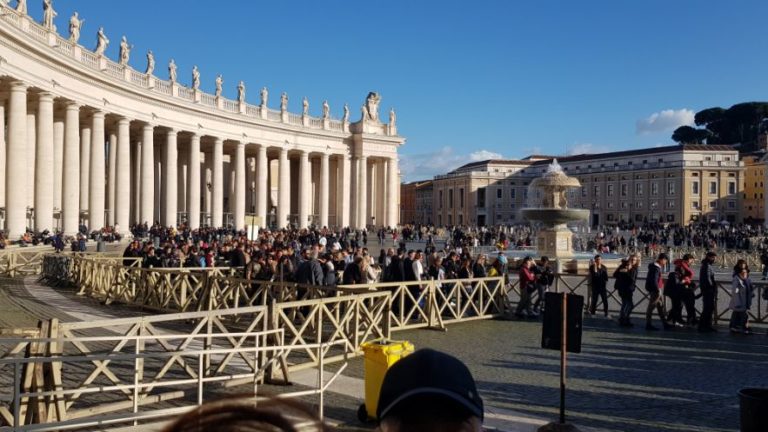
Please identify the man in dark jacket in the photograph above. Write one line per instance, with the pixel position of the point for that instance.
(408, 266)
(654, 286)
(310, 271)
(598, 276)
(708, 293)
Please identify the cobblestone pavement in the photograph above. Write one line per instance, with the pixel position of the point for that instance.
(622, 381)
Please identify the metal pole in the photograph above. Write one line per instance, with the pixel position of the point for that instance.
(563, 347)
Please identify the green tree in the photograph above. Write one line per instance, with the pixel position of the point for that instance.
(690, 135)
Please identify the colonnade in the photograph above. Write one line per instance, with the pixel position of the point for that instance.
(68, 164)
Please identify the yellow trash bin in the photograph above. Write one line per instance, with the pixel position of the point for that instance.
(380, 355)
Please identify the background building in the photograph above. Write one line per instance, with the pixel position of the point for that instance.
(753, 207)
(675, 184)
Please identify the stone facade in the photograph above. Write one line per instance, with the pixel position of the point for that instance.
(675, 184)
(416, 202)
(753, 207)
(93, 141)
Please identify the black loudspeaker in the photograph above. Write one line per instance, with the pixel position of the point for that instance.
(552, 327)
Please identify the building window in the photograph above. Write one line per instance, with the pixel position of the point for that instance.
(498, 193)
(623, 204)
(596, 190)
(450, 220)
(610, 204)
(654, 188)
(461, 199)
(583, 191)
(450, 199)
(670, 188)
(624, 189)
(481, 197)
(461, 219)
(610, 189)
(731, 205)
(440, 199)
(695, 205)
(695, 187)
(713, 204)
(638, 188)
(512, 193)
(639, 205)
(731, 188)
(713, 188)
(670, 204)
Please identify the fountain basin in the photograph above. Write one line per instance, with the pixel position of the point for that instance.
(555, 216)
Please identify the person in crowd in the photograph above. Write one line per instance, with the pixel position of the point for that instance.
(687, 291)
(353, 272)
(418, 266)
(436, 272)
(478, 269)
(527, 288)
(708, 293)
(310, 271)
(598, 276)
(742, 293)
(429, 391)
(626, 276)
(370, 274)
(408, 266)
(654, 285)
(545, 277)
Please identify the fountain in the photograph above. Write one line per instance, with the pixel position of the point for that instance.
(548, 194)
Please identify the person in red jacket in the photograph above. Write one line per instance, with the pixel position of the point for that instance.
(687, 291)
(527, 287)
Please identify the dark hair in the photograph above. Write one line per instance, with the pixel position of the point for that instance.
(544, 259)
(598, 256)
(686, 257)
(238, 413)
(423, 412)
(662, 256)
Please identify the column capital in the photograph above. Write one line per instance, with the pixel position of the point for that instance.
(72, 105)
(148, 126)
(18, 86)
(46, 96)
(240, 144)
(98, 113)
(171, 131)
(123, 121)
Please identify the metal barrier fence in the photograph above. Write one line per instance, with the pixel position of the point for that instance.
(74, 375)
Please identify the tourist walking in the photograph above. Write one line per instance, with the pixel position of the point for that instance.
(626, 275)
(545, 277)
(708, 293)
(742, 292)
(654, 286)
(598, 276)
(526, 288)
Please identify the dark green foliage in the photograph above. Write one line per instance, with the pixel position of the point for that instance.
(739, 124)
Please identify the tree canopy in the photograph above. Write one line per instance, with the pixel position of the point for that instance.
(739, 124)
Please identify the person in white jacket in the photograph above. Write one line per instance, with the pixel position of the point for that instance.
(418, 267)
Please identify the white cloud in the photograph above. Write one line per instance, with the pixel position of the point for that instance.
(586, 148)
(665, 121)
(425, 166)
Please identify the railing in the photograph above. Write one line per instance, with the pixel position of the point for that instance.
(316, 123)
(74, 375)
(115, 70)
(139, 78)
(19, 262)
(252, 111)
(580, 285)
(207, 99)
(89, 59)
(273, 115)
(39, 33)
(295, 119)
(186, 93)
(163, 87)
(336, 125)
(64, 46)
(231, 106)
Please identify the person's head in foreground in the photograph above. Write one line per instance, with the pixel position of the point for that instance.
(240, 414)
(429, 391)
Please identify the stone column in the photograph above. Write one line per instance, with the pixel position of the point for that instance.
(393, 187)
(123, 174)
(193, 182)
(85, 164)
(70, 186)
(239, 199)
(31, 154)
(96, 177)
(147, 210)
(284, 189)
(324, 195)
(111, 173)
(170, 179)
(58, 162)
(136, 180)
(345, 165)
(262, 184)
(16, 163)
(362, 192)
(305, 172)
(217, 207)
(2, 152)
(44, 164)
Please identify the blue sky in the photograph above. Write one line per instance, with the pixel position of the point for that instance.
(468, 79)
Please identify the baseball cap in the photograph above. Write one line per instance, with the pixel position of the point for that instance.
(428, 372)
